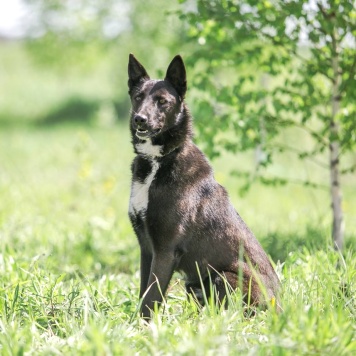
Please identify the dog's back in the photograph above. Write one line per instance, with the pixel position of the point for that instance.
(182, 217)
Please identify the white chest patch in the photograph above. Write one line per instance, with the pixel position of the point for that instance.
(139, 192)
(148, 149)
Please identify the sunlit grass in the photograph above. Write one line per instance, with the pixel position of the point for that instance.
(69, 261)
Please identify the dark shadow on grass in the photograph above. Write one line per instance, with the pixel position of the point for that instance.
(73, 110)
(279, 245)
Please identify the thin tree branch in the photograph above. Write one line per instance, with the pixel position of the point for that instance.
(324, 13)
(276, 180)
(313, 133)
(303, 153)
(348, 170)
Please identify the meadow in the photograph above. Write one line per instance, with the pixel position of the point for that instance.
(69, 259)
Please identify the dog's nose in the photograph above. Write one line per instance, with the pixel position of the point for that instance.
(140, 120)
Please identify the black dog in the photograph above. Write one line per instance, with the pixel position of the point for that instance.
(182, 217)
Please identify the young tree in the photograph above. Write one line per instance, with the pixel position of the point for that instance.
(306, 50)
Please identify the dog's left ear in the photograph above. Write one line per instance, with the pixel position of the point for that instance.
(137, 72)
(176, 75)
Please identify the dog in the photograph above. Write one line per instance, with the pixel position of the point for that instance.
(182, 217)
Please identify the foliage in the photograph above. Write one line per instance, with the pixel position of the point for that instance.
(278, 57)
(67, 34)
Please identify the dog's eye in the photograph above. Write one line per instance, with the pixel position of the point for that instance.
(162, 101)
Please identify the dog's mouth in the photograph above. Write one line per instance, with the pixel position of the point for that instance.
(142, 133)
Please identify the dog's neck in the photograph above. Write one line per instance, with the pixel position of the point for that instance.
(148, 149)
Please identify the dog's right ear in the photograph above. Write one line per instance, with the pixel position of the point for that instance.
(176, 75)
(137, 73)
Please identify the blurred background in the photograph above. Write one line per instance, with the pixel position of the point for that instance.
(65, 149)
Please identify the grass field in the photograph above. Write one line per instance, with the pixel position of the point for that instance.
(69, 259)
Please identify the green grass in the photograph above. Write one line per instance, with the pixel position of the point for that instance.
(69, 261)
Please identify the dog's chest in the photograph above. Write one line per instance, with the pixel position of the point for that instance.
(140, 191)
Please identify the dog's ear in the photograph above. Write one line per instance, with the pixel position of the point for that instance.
(137, 73)
(176, 76)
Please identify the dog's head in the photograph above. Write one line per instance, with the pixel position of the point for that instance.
(156, 104)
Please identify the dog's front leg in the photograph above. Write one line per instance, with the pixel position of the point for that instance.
(163, 265)
(145, 268)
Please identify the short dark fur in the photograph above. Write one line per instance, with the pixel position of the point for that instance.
(188, 220)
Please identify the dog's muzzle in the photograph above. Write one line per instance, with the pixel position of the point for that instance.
(140, 124)
(146, 133)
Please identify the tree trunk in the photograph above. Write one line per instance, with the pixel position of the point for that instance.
(336, 195)
(260, 153)
(335, 186)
